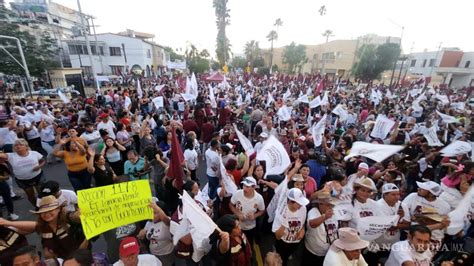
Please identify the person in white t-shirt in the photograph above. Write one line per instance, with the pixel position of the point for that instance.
(288, 225)
(107, 125)
(129, 254)
(321, 228)
(414, 251)
(426, 198)
(388, 205)
(362, 205)
(158, 233)
(347, 250)
(362, 172)
(248, 205)
(191, 158)
(64, 196)
(91, 135)
(212, 167)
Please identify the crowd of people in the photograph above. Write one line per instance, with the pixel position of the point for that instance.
(310, 212)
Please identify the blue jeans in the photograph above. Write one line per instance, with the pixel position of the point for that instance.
(5, 193)
(80, 180)
(213, 184)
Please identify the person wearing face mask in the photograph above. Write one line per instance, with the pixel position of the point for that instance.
(347, 250)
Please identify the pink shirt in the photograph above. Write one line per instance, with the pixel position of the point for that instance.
(310, 186)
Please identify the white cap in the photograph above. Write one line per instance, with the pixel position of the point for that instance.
(363, 166)
(389, 187)
(263, 135)
(296, 195)
(29, 107)
(249, 181)
(433, 187)
(230, 146)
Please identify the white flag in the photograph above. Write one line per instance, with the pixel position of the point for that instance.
(461, 214)
(63, 97)
(372, 227)
(228, 182)
(270, 99)
(202, 225)
(303, 99)
(325, 99)
(194, 86)
(341, 112)
(128, 102)
(382, 127)
(278, 200)
(139, 89)
(212, 97)
(318, 130)
(432, 138)
(188, 88)
(284, 113)
(456, 148)
(376, 152)
(286, 95)
(460, 106)
(244, 141)
(250, 83)
(315, 102)
(443, 98)
(275, 156)
(187, 97)
(159, 102)
(447, 118)
(239, 100)
(389, 94)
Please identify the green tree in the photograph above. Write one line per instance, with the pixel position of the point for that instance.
(198, 65)
(373, 60)
(294, 55)
(239, 62)
(173, 55)
(252, 52)
(222, 20)
(272, 36)
(41, 51)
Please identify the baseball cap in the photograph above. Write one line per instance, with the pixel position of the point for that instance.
(433, 187)
(389, 187)
(297, 177)
(249, 181)
(263, 135)
(129, 246)
(104, 115)
(363, 166)
(296, 195)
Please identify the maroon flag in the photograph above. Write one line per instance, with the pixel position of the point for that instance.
(320, 87)
(175, 170)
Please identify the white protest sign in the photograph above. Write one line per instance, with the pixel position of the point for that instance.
(341, 112)
(278, 200)
(303, 99)
(275, 156)
(382, 127)
(187, 97)
(286, 95)
(447, 118)
(244, 141)
(372, 227)
(315, 102)
(456, 148)
(443, 98)
(458, 216)
(432, 137)
(159, 102)
(284, 113)
(270, 99)
(317, 131)
(325, 99)
(212, 97)
(376, 152)
(228, 182)
(128, 102)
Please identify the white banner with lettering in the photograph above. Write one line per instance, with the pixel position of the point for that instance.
(317, 131)
(341, 112)
(432, 137)
(284, 113)
(447, 118)
(315, 102)
(244, 141)
(275, 156)
(376, 152)
(228, 182)
(372, 227)
(456, 148)
(159, 102)
(382, 127)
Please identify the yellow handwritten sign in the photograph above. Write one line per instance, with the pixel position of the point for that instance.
(108, 207)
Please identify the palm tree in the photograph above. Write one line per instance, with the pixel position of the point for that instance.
(204, 53)
(252, 52)
(191, 52)
(222, 21)
(327, 34)
(273, 35)
(278, 23)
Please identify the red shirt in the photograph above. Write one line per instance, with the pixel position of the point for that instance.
(310, 186)
(206, 132)
(190, 125)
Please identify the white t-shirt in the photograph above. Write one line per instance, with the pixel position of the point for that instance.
(383, 209)
(191, 158)
(451, 195)
(361, 210)
(47, 134)
(36, 117)
(32, 133)
(161, 241)
(109, 126)
(316, 239)
(212, 161)
(7, 136)
(92, 137)
(402, 252)
(337, 257)
(143, 260)
(23, 166)
(67, 196)
(292, 221)
(415, 203)
(247, 206)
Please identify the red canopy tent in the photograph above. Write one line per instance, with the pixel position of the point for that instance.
(216, 77)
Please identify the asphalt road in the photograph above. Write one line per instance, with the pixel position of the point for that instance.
(58, 172)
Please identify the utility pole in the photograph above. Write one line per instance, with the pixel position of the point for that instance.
(23, 61)
(409, 61)
(89, 50)
(395, 64)
(436, 59)
(97, 47)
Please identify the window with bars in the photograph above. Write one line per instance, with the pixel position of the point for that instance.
(115, 51)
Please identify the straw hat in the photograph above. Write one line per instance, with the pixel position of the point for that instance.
(366, 183)
(349, 240)
(47, 204)
(323, 197)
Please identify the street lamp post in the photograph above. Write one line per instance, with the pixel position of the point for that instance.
(89, 50)
(23, 61)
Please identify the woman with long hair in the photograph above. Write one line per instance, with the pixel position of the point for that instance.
(75, 158)
(101, 171)
(113, 153)
(456, 185)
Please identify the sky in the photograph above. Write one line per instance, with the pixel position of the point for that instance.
(177, 23)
